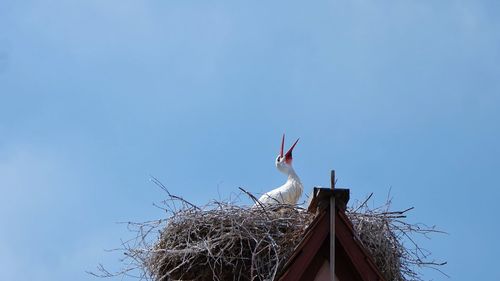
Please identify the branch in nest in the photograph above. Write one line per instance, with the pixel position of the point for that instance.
(384, 234)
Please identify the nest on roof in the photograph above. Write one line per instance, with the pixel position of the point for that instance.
(226, 241)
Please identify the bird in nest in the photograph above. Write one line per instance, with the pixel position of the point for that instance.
(290, 192)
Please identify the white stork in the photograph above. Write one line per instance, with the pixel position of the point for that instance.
(290, 192)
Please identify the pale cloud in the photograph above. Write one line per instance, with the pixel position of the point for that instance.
(33, 185)
(103, 30)
(48, 212)
(29, 177)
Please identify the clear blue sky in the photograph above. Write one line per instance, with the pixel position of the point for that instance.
(96, 95)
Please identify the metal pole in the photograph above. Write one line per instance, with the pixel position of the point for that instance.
(332, 228)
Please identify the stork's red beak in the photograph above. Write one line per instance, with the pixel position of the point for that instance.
(282, 145)
(288, 155)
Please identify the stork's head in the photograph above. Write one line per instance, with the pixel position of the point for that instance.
(284, 161)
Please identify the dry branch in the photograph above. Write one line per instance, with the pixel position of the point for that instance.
(391, 241)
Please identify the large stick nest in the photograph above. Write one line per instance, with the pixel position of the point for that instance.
(225, 241)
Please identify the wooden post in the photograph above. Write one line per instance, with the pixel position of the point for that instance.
(332, 227)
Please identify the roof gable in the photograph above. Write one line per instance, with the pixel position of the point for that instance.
(352, 261)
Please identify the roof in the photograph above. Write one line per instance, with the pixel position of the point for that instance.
(352, 260)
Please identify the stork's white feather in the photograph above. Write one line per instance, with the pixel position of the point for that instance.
(288, 193)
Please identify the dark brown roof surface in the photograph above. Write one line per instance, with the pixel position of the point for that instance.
(352, 261)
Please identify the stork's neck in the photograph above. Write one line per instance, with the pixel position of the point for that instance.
(292, 176)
